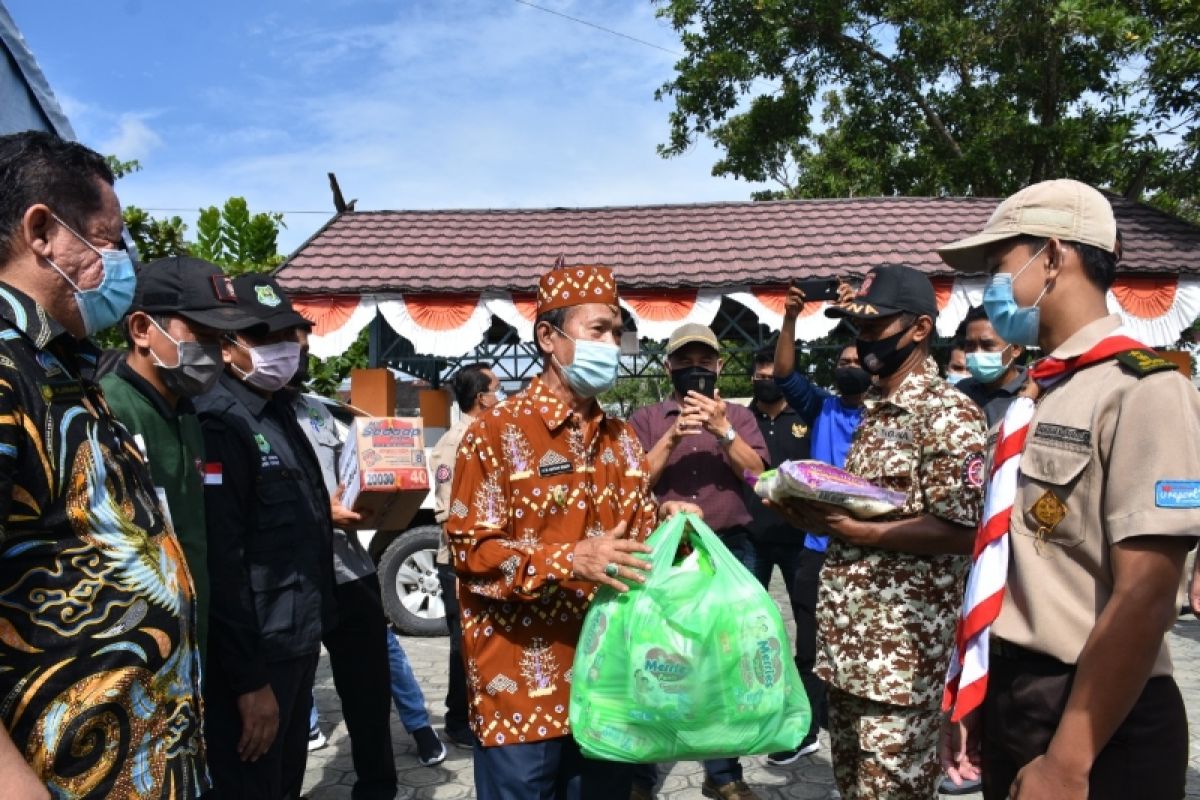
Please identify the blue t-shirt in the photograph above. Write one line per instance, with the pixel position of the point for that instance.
(832, 425)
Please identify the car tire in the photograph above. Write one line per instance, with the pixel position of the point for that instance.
(412, 595)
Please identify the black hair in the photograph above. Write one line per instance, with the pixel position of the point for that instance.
(1099, 265)
(163, 321)
(974, 314)
(556, 318)
(38, 167)
(764, 355)
(468, 383)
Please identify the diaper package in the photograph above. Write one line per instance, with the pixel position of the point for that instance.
(816, 480)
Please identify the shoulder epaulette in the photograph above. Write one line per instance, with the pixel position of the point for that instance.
(1144, 362)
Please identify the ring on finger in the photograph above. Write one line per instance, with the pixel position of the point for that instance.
(611, 569)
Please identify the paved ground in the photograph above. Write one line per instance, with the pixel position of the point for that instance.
(330, 774)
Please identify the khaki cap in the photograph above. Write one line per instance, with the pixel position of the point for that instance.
(692, 332)
(1059, 209)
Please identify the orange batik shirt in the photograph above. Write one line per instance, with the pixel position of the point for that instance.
(532, 480)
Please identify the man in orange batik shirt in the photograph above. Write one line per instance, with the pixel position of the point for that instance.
(550, 500)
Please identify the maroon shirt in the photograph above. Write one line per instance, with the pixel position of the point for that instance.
(698, 470)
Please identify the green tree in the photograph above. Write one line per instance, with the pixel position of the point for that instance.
(122, 168)
(156, 238)
(1173, 77)
(325, 375)
(237, 240)
(930, 97)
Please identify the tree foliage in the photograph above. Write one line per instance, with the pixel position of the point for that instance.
(156, 238)
(325, 375)
(929, 97)
(237, 240)
(122, 168)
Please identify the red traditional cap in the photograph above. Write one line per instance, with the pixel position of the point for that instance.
(563, 287)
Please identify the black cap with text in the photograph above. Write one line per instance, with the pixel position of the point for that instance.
(889, 290)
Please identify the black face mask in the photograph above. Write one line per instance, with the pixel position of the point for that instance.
(883, 357)
(851, 381)
(696, 379)
(765, 390)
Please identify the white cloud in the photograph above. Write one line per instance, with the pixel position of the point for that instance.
(132, 139)
(451, 105)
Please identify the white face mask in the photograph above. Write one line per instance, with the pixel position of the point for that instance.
(273, 365)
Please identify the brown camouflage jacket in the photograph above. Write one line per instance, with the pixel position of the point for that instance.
(886, 619)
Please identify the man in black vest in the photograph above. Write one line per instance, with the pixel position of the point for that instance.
(270, 557)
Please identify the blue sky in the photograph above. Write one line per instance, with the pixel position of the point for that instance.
(414, 104)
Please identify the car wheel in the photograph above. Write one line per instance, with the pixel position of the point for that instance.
(412, 596)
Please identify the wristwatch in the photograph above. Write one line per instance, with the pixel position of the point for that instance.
(728, 437)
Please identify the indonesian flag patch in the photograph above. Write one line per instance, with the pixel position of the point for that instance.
(212, 473)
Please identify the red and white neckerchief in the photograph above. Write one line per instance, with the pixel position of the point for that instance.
(966, 678)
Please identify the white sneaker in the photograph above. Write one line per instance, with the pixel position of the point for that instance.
(316, 740)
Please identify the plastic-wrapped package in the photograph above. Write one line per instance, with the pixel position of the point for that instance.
(816, 480)
(693, 664)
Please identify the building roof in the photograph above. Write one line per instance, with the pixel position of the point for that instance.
(697, 245)
(29, 104)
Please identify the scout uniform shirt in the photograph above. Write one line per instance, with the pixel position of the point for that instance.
(886, 619)
(531, 481)
(351, 561)
(99, 672)
(1113, 453)
(441, 460)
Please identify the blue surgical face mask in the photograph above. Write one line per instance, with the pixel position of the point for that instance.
(594, 370)
(103, 306)
(955, 377)
(987, 367)
(1013, 323)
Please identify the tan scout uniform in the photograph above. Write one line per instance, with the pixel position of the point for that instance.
(1102, 446)
(441, 459)
(886, 619)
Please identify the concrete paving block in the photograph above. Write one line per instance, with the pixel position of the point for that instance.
(330, 770)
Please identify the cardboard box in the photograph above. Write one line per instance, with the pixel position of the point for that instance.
(383, 470)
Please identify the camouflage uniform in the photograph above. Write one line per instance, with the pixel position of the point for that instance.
(886, 619)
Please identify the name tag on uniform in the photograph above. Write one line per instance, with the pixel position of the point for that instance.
(553, 464)
(1063, 434)
(1177, 494)
(896, 435)
(62, 392)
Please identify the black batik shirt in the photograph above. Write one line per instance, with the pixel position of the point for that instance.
(99, 675)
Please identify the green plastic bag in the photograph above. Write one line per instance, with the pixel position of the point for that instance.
(693, 664)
